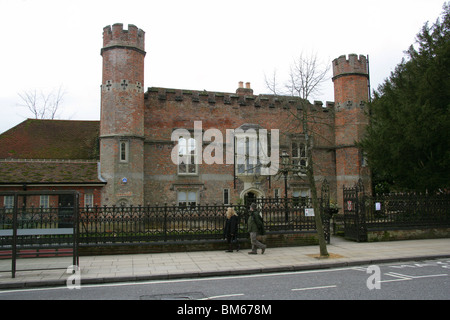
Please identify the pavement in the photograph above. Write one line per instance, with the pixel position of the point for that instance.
(52, 271)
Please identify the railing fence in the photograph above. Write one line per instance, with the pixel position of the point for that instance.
(395, 211)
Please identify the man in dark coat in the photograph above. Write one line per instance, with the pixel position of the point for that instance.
(255, 227)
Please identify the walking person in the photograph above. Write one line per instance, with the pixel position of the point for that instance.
(231, 229)
(255, 228)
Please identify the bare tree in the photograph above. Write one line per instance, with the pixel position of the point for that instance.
(305, 77)
(42, 105)
(272, 83)
(312, 182)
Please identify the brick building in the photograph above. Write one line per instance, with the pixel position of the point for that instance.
(138, 161)
(137, 133)
(51, 155)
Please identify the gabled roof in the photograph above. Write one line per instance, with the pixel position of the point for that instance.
(51, 139)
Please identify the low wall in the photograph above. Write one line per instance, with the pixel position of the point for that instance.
(272, 240)
(407, 234)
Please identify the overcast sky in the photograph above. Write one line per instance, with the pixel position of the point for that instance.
(193, 44)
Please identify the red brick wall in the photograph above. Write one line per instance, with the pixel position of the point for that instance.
(167, 110)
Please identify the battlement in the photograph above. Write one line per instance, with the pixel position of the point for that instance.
(236, 100)
(354, 65)
(116, 36)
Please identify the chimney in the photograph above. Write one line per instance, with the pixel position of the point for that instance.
(247, 91)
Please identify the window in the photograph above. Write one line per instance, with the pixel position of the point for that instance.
(187, 156)
(8, 202)
(44, 201)
(89, 200)
(256, 151)
(187, 198)
(300, 157)
(277, 193)
(300, 197)
(226, 196)
(364, 159)
(123, 150)
(247, 151)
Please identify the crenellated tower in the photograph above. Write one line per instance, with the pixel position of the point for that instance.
(351, 94)
(122, 115)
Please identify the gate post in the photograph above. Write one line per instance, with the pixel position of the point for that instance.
(354, 212)
(361, 198)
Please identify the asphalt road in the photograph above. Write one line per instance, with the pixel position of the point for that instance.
(415, 280)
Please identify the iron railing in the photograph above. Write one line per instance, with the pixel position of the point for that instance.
(407, 210)
(142, 224)
(103, 225)
(400, 211)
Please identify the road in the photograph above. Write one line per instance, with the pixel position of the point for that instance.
(415, 280)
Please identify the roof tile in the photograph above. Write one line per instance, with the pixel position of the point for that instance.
(51, 139)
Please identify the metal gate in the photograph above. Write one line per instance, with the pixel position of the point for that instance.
(354, 213)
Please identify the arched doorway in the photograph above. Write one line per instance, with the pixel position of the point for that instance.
(249, 198)
(250, 195)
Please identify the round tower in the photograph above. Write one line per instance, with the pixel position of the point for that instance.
(351, 94)
(351, 79)
(122, 115)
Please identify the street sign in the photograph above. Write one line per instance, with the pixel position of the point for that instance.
(309, 212)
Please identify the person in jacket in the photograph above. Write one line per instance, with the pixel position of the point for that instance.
(255, 227)
(231, 229)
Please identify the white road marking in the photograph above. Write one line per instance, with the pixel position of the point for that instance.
(223, 296)
(404, 277)
(314, 288)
